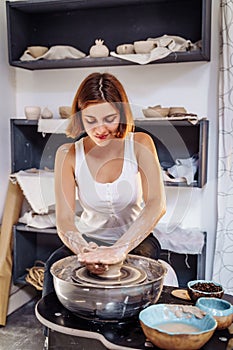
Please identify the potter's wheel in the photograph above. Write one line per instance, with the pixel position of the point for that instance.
(139, 285)
(129, 275)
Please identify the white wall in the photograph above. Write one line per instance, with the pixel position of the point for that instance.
(192, 85)
(7, 107)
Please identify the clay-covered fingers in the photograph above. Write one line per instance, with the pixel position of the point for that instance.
(101, 255)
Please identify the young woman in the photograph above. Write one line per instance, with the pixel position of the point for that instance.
(114, 172)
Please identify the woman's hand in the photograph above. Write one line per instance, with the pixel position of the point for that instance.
(97, 259)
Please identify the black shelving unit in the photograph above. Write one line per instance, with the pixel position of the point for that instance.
(173, 140)
(32, 149)
(78, 23)
(180, 140)
(30, 245)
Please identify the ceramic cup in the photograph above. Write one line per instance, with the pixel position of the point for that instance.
(144, 46)
(32, 112)
(125, 49)
(37, 51)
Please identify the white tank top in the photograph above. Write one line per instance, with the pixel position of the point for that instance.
(108, 208)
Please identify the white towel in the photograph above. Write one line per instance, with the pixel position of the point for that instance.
(37, 187)
(52, 126)
(144, 58)
(180, 240)
(184, 168)
(57, 52)
(165, 45)
(37, 220)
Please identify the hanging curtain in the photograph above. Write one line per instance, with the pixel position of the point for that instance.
(223, 260)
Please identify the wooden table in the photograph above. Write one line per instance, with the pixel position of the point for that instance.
(68, 331)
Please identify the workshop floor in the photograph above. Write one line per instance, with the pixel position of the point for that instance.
(22, 331)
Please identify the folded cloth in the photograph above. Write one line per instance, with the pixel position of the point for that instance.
(191, 119)
(57, 52)
(167, 178)
(37, 220)
(144, 58)
(180, 240)
(164, 46)
(173, 43)
(53, 126)
(185, 168)
(37, 187)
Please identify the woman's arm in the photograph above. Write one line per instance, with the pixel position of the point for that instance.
(65, 193)
(153, 194)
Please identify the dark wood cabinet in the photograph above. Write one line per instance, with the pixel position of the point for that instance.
(78, 23)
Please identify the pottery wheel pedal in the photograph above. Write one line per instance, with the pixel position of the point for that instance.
(129, 275)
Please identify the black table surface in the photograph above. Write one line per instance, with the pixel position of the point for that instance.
(126, 334)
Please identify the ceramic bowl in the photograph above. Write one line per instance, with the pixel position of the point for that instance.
(144, 46)
(177, 110)
(157, 112)
(177, 327)
(107, 301)
(32, 112)
(125, 49)
(65, 111)
(37, 51)
(220, 309)
(203, 288)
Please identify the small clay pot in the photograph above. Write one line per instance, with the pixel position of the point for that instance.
(37, 51)
(125, 49)
(65, 111)
(144, 46)
(46, 114)
(32, 112)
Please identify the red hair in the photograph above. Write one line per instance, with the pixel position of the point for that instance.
(100, 88)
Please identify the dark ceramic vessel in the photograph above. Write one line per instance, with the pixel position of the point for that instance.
(203, 288)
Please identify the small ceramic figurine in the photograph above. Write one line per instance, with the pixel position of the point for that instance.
(99, 49)
(65, 111)
(46, 114)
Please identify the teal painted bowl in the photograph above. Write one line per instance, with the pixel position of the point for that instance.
(220, 309)
(177, 327)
